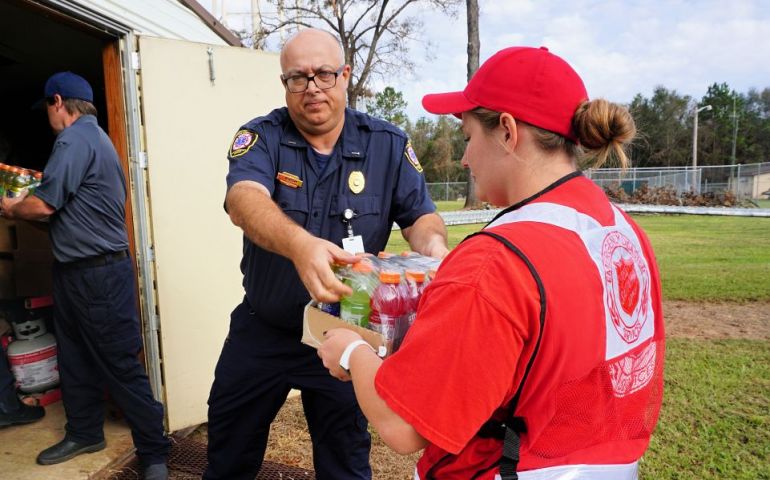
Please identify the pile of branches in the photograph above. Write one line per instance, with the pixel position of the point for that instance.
(645, 195)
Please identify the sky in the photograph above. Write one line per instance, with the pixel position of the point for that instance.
(619, 48)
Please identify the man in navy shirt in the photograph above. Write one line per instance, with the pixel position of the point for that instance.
(83, 193)
(300, 178)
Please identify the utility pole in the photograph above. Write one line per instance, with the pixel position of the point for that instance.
(695, 134)
(735, 132)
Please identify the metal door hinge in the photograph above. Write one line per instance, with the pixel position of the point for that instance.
(135, 63)
(141, 160)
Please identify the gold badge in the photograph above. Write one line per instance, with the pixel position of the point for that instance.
(356, 181)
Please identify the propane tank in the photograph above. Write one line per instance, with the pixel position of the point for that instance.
(32, 357)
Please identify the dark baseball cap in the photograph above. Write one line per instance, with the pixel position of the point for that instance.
(67, 85)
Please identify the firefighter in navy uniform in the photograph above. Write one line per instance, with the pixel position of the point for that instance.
(300, 178)
(83, 193)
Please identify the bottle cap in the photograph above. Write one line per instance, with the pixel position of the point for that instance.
(416, 275)
(389, 276)
(38, 175)
(363, 267)
(384, 255)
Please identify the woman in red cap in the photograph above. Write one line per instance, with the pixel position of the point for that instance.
(537, 352)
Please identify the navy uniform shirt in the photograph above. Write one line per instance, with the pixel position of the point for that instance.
(269, 150)
(84, 182)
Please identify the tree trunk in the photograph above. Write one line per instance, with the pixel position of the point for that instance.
(474, 45)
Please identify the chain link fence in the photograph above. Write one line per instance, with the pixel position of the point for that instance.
(446, 191)
(747, 181)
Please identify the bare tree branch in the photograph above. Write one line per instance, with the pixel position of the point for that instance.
(375, 34)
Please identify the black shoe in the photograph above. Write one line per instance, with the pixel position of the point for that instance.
(65, 450)
(24, 414)
(157, 471)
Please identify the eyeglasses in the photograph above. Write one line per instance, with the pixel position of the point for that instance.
(324, 80)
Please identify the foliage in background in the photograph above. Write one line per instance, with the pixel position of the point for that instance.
(389, 105)
(375, 34)
(665, 125)
(439, 144)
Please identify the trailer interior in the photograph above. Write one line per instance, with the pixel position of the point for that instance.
(36, 41)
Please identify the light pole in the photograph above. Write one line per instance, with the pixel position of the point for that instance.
(695, 134)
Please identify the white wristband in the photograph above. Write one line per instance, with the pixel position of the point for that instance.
(345, 358)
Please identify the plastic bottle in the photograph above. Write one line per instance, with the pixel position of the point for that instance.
(8, 179)
(415, 284)
(388, 305)
(19, 184)
(37, 179)
(355, 309)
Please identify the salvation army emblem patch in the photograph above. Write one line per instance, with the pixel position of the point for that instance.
(242, 142)
(627, 283)
(412, 157)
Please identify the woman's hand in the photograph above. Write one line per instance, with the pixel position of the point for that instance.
(331, 350)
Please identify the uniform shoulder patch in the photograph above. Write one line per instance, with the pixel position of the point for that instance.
(412, 157)
(242, 142)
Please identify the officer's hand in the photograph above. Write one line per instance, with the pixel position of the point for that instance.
(313, 259)
(331, 350)
(437, 250)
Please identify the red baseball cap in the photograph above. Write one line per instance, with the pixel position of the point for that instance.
(532, 84)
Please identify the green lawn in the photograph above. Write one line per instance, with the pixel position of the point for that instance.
(700, 257)
(715, 422)
(449, 205)
(761, 203)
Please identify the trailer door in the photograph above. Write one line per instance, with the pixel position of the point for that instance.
(194, 97)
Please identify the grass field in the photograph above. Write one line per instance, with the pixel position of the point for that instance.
(449, 205)
(700, 257)
(763, 203)
(715, 422)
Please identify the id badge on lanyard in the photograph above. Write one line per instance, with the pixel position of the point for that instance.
(352, 244)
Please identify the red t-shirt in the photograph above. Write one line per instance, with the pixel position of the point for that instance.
(464, 328)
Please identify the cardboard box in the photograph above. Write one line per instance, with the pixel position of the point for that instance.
(315, 322)
(32, 272)
(7, 235)
(7, 280)
(32, 236)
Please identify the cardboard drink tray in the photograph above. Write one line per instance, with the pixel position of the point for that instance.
(315, 322)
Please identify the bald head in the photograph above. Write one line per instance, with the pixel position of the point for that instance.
(311, 38)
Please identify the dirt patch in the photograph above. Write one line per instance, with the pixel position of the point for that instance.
(717, 320)
(289, 442)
